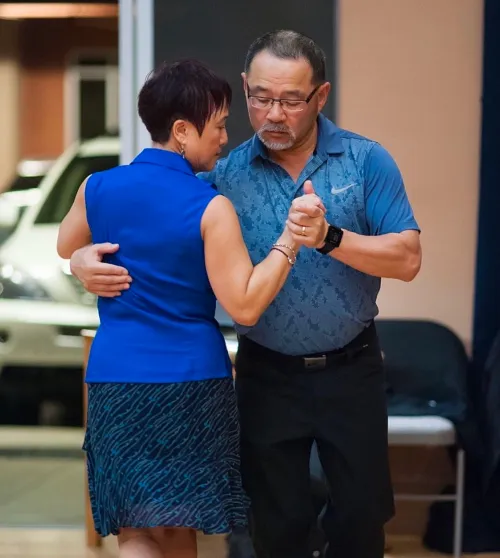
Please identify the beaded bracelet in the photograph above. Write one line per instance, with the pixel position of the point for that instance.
(277, 245)
(291, 259)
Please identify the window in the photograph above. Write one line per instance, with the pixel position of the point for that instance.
(21, 183)
(61, 197)
(91, 97)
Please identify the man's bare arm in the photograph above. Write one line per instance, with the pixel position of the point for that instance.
(393, 255)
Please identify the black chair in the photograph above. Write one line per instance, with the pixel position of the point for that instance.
(426, 371)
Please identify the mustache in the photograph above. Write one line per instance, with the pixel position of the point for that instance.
(276, 128)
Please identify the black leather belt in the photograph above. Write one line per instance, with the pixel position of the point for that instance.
(312, 362)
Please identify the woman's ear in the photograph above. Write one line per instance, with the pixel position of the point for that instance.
(180, 131)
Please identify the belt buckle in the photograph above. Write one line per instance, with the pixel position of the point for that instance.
(315, 363)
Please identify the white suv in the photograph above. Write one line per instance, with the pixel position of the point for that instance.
(21, 192)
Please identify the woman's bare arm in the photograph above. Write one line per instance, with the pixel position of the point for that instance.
(74, 231)
(243, 290)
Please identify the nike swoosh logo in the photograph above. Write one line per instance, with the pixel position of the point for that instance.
(339, 190)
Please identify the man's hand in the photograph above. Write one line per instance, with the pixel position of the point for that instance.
(99, 278)
(306, 219)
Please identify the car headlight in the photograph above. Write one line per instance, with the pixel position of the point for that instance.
(16, 285)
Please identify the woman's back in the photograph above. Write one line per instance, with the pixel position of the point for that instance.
(162, 329)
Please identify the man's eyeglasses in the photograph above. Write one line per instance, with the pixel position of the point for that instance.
(288, 105)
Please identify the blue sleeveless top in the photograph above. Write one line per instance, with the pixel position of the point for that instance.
(163, 328)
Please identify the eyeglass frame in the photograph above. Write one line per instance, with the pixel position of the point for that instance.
(275, 100)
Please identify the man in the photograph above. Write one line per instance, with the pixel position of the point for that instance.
(311, 369)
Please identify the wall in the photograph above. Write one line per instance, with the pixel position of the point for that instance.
(9, 86)
(45, 48)
(409, 76)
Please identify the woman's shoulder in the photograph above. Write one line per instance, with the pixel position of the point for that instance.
(105, 174)
(207, 185)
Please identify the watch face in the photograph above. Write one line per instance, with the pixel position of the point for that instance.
(334, 235)
(332, 240)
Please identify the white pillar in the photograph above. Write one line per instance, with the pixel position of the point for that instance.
(136, 60)
(145, 59)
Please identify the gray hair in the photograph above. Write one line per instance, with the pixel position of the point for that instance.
(285, 43)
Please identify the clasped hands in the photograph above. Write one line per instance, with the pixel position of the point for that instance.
(306, 218)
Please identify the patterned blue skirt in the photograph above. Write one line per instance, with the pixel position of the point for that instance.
(164, 455)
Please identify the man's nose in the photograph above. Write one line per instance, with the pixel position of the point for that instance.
(276, 113)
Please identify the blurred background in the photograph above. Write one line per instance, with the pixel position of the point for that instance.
(419, 76)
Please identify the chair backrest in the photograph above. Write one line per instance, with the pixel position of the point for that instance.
(424, 360)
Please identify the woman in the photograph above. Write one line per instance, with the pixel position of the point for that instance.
(162, 430)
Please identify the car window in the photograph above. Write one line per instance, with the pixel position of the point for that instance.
(24, 183)
(62, 195)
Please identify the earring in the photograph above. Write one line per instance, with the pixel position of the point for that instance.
(183, 152)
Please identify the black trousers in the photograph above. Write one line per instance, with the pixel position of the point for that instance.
(285, 404)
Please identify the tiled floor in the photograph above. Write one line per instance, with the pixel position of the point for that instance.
(48, 492)
(52, 543)
(42, 492)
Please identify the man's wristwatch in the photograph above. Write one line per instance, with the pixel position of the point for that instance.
(332, 240)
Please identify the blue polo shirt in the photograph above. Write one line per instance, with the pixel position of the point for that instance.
(324, 303)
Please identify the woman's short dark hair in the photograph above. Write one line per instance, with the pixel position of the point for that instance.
(285, 43)
(187, 90)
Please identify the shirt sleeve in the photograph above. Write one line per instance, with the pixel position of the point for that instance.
(388, 209)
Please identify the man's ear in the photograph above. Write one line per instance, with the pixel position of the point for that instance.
(323, 95)
(244, 78)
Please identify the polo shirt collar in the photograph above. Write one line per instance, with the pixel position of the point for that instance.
(164, 158)
(329, 141)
